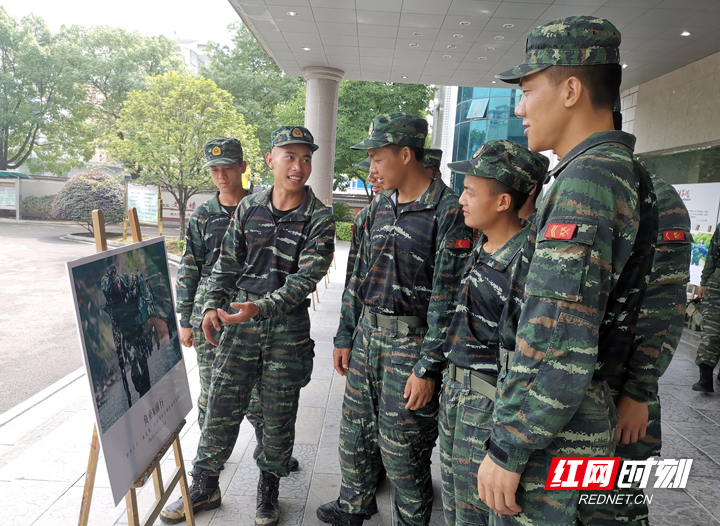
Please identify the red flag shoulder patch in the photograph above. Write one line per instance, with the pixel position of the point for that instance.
(463, 243)
(673, 235)
(559, 231)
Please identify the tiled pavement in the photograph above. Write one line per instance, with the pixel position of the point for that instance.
(44, 446)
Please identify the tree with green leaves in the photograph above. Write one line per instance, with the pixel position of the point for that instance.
(164, 126)
(257, 84)
(358, 103)
(43, 98)
(116, 62)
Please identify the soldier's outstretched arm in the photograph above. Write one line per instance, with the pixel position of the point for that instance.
(313, 263)
(570, 278)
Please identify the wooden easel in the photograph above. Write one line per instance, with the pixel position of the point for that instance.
(161, 493)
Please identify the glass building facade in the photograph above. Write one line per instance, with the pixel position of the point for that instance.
(484, 114)
(695, 166)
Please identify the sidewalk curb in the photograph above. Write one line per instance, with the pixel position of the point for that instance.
(172, 258)
(40, 397)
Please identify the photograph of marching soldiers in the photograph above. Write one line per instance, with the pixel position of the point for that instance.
(527, 318)
(125, 307)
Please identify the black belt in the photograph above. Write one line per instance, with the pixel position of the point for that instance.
(403, 324)
(482, 383)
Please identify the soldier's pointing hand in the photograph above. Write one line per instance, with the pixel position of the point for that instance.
(245, 310)
(210, 322)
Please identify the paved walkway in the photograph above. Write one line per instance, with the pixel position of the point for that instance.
(44, 446)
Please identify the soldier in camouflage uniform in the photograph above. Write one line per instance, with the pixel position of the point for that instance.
(278, 246)
(359, 221)
(657, 334)
(405, 279)
(708, 352)
(203, 239)
(431, 162)
(585, 265)
(498, 180)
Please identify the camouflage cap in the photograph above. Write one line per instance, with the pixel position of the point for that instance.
(432, 157)
(572, 41)
(292, 135)
(365, 163)
(402, 129)
(224, 150)
(508, 162)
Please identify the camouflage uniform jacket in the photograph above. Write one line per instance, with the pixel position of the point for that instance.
(203, 239)
(358, 228)
(473, 340)
(662, 314)
(410, 264)
(586, 264)
(711, 263)
(282, 261)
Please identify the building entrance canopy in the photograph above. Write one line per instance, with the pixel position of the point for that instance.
(466, 42)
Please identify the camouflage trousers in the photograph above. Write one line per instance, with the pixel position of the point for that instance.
(276, 357)
(633, 511)
(205, 357)
(374, 415)
(709, 348)
(590, 433)
(465, 423)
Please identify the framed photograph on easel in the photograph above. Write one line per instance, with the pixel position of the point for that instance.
(131, 350)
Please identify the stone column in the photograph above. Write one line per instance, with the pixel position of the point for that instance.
(321, 102)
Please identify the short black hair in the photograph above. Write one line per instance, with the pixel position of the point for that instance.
(497, 187)
(601, 81)
(419, 152)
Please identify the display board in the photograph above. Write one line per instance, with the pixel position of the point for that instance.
(131, 350)
(7, 195)
(702, 202)
(145, 201)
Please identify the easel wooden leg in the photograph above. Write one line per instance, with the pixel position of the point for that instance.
(313, 300)
(90, 479)
(189, 516)
(133, 513)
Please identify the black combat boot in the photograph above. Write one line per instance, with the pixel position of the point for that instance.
(204, 495)
(331, 511)
(705, 385)
(293, 465)
(345, 519)
(268, 511)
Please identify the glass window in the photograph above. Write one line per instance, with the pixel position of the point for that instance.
(500, 92)
(515, 132)
(515, 100)
(462, 144)
(497, 129)
(458, 180)
(499, 108)
(464, 94)
(479, 93)
(455, 143)
(698, 166)
(478, 132)
(478, 109)
(462, 111)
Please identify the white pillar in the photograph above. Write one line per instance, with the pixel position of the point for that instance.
(321, 102)
(18, 198)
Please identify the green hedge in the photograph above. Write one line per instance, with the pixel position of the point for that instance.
(343, 231)
(38, 206)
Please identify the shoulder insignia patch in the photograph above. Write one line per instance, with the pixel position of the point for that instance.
(463, 243)
(673, 235)
(559, 231)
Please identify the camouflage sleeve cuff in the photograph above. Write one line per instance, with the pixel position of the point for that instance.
(510, 459)
(638, 392)
(265, 307)
(342, 342)
(426, 369)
